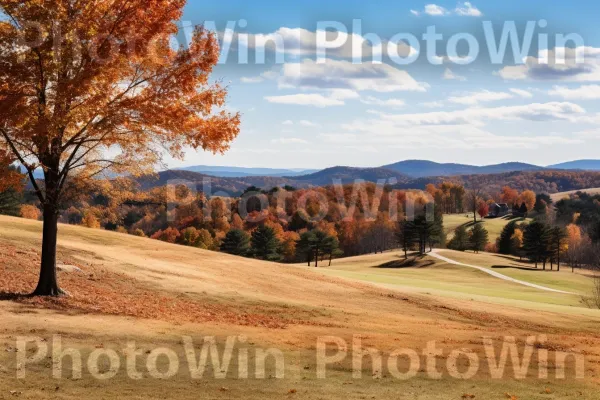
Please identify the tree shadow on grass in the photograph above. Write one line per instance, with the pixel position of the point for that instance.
(517, 267)
(472, 224)
(6, 296)
(411, 262)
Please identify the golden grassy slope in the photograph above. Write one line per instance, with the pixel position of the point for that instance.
(562, 195)
(204, 293)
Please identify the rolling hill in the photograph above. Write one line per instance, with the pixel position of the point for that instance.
(586, 165)
(129, 289)
(422, 168)
(242, 172)
(349, 175)
(542, 181)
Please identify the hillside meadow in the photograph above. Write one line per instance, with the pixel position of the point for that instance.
(126, 288)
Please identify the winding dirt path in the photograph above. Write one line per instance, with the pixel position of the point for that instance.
(436, 254)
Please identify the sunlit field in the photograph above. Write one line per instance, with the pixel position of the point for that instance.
(386, 300)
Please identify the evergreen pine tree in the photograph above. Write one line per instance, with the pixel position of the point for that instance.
(460, 241)
(236, 242)
(265, 245)
(505, 240)
(479, 238)
(536, 242)
(305, 247)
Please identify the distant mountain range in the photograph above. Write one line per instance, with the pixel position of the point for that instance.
(240, 172)
(408, 168)
(422, 169)
(350, 174)
(585, 165)
(407, 174)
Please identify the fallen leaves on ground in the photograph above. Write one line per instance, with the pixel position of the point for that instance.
(98, 290)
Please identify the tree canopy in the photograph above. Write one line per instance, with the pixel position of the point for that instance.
(91, 86)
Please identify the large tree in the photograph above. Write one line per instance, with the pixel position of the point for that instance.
(88, 86)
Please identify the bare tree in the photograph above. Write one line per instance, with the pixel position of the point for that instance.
(473, 196)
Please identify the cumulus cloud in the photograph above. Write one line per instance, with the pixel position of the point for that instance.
(464, 9)
(302, 42)
(467, 9)
(581, 64)
(442, 137)
(309, 124)
(435, 10)
(252, 79)
(432, 104)
(586, 92)
(522, 93)
(483, 96)
(289, 141)
(370, 100)
(451, 76)
(340, 74)
(554, 111)
(305, 99)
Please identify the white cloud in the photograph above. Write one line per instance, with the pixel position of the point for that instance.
(302, 42)
(381, 133)
(586, 92)
(435, 10)
(309, 124)
(260, 78)
(254, 79)
(289, 141)
(483, 96)
(340, 74)
(370, 100)
(523, 93)
(464, 9)
(451, 76)
(343, 94)
(305, 99)
(581, 64)
(288, 122)
(467, 9)
(432, 104)
(478, 116)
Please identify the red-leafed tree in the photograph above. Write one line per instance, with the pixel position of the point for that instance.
(483, 209)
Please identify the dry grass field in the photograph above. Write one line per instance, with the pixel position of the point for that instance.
(494, 226)
(559, 196)
(127, 288)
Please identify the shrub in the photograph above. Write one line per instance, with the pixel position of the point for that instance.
(491, 248)
(30, 212)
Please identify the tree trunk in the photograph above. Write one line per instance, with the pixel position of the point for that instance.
(48, 284)
(330, 257)
(317, 257)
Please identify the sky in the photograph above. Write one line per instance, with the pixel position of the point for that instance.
(460, 100)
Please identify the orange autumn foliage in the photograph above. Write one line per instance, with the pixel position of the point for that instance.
(9, 177)
(528, 197)
(30, 212)
(92, 86)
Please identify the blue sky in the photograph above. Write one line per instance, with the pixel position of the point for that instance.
(297, 113)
